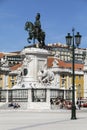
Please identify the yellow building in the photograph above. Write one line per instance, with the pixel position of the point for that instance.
(64, 70)
(79, 83)
(8, 75)
(12, 78)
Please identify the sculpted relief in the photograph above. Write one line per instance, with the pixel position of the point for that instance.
(45, 75)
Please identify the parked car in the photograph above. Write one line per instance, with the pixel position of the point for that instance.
(83, 102)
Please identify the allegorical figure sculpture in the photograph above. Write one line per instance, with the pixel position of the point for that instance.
(45, 76)
(35, 31)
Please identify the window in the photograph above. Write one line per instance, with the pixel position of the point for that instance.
(12, 76)
(79, 91)
(63, 76)
(79, 76)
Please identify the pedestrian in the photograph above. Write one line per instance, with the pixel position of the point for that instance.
(79, 104)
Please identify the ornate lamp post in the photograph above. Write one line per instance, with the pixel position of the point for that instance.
(73, 41)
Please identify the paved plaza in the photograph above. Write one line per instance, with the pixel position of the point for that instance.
(42, 120)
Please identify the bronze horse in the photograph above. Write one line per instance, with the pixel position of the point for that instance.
(35, 33)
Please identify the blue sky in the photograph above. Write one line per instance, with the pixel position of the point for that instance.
(57, 19)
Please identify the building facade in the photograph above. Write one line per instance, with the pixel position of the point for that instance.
(64, 70)
(60, 64)
(64, 53)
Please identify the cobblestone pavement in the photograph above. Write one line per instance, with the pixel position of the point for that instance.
(42, 120)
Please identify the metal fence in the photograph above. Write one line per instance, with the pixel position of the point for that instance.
(21, 95)
(17, 95)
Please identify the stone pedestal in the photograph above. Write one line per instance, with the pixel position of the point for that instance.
(35, 59)
(38, 105)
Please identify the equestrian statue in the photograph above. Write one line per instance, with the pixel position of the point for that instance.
(35, 31)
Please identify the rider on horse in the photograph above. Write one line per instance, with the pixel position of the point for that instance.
(37, 22)
(35, 31)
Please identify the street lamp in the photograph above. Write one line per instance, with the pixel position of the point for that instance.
(73, 41)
